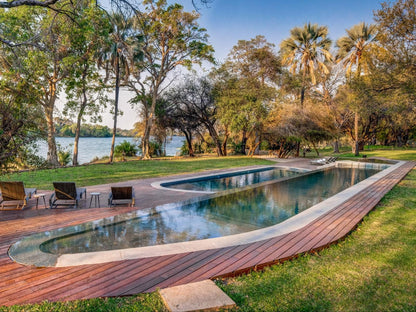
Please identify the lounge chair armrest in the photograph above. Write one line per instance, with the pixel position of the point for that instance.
(80, 191)
(30, 191)
(51, 200)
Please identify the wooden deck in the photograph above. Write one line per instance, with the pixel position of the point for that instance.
(21, 284)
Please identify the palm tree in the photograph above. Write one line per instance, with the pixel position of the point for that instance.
(306, 51)
(114, 58)
(351, 49)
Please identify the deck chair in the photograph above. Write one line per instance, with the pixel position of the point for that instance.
(66, 194)
(319, 162)
(121, 195)
(15, 194)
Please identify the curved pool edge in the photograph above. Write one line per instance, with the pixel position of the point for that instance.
(41, 259)
(162, 185)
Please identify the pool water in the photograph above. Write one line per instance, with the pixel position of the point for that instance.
(230, 181)
(237, 212)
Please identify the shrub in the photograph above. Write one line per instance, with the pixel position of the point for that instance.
(126, 148)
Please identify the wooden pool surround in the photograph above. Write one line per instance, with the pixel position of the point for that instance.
(21, 284)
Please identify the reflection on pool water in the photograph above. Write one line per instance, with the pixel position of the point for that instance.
(228, 181)
(233, 213)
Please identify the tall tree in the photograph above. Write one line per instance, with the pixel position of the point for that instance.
(46, 64)
(245, 85)
(351, 52)
(85, 89)
(114, 58)
(305, 51)
(169, 38)
(19, 121)
(193, 102)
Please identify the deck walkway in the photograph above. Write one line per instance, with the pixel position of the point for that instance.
(21, 284)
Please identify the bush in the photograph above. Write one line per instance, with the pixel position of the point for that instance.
(64, 155)
(126, 148)
(155, 149)
(64, 158)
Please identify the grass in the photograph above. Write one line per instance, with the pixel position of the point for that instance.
(372, 270)
(372, 151)
(143, 303)
(130, 170)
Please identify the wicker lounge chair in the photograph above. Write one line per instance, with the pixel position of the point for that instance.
(121, 195)
(14, 194)
(67, 194)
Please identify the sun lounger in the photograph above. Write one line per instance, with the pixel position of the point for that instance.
(66, 194)
(323, 161)
(14, 194)
(121, 195)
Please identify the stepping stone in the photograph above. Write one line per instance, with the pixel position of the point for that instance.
(199, 296)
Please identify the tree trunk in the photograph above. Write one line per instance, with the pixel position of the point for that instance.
(76, 140)
(117, 92)
(243, 143)
(79, 119)
(336, 146)
(302, 96)
(149, 125)
(224, 143)
(52, 156)
(356, 149)
(214, 135)
(257, 143)
(188, 136)
(297, 149)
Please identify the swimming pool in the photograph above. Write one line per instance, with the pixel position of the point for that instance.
(227, 181)
(229, 214)
(235, 217)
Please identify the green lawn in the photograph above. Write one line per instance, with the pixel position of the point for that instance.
(373, 269)
(372, 151)
(130, 170)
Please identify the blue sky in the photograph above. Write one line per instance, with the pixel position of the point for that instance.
(228, 21)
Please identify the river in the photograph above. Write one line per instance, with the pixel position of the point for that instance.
(91, 147)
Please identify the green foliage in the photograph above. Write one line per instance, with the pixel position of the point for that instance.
(19, 123)
(156, 149)
(126, 148)
(64, 155)
(306, 50)
(169, 38)
(64, 158)
(87, 130)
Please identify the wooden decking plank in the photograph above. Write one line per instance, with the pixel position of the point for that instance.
(248, 248)
(68, 284)
(203, 270)
(106, 281)
(159, 264)
(112, 278)
(37, 292)
(201, 259)
(152, 281)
